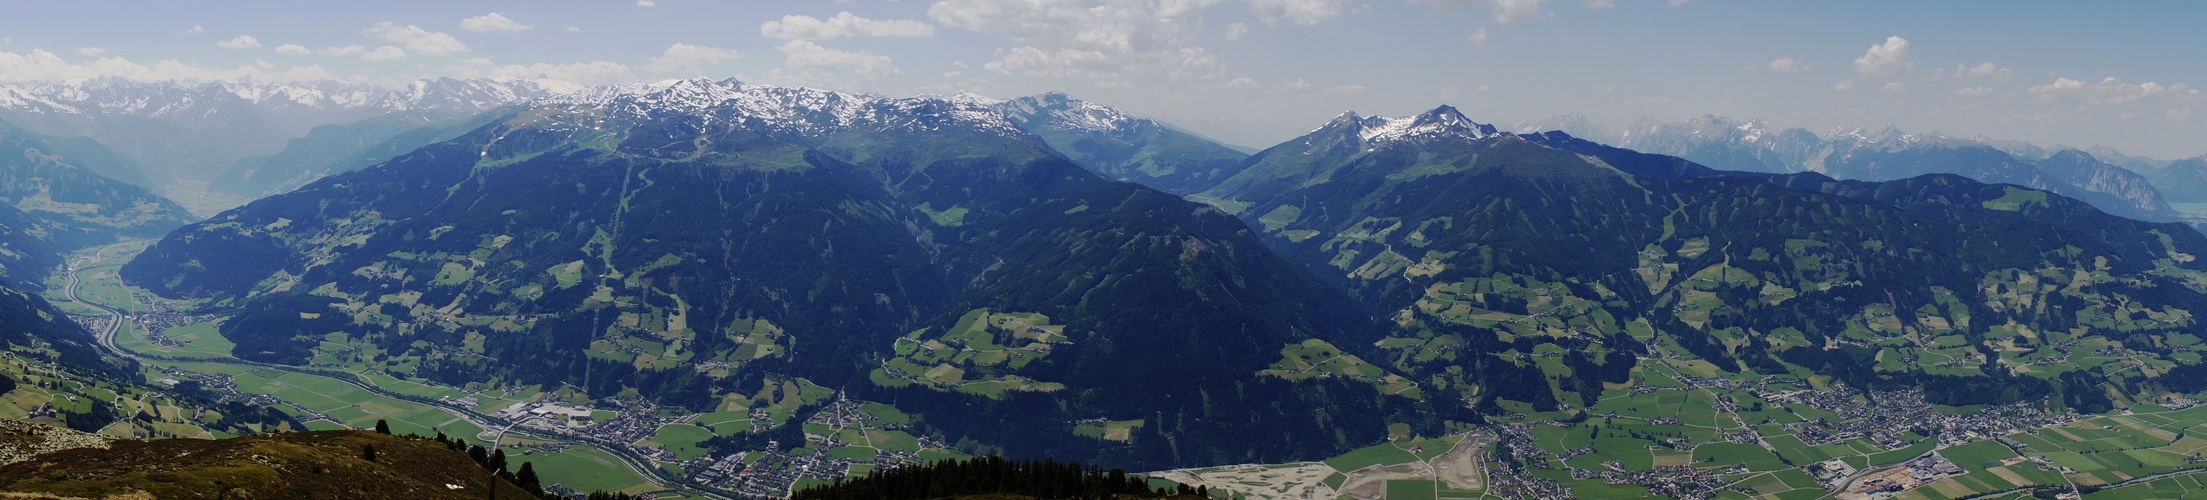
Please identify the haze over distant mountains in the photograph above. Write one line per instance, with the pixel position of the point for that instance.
(2127, 185)
(194, 132)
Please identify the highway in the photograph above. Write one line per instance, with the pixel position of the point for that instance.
(106, 340)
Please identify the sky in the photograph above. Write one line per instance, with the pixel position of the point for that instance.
(1245, 72)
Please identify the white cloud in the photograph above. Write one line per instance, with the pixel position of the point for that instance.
(1448, 93)
(1675, 3)
(1346, 89)
(349, 50)
(1236, 32)
(684, 60)
(1298, 84)
(1303, 12)
(646, 3)
(810, 64)
(1509, 11)
(91, 51)
(479, 61)
(1480, 37)
(1077, 39)
(416, 39)
(1601, 4)
(574, 29)
(1241, 85)
(241, 42)
(1986, 69)
(1843, 86)
(40, 65)
(493, 22)
(194, 30)
(1788, 65)
(1516, 11)
(2112, 91)
(2178, 115)
(1977, 91)
(1884, 61)
(293, 49)
(794, 27)
(1894, 88)
(384, 53)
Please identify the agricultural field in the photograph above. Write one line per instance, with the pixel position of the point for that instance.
(192, 341)
(1316, 358)
(1423, 469)
(681, 439)
(1517, 305)
(583, 468)
(1683, 431)
(1107, 430)
(981, 354)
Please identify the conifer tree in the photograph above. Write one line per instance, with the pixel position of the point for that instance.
(527, 478)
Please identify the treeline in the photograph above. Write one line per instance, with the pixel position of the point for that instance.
(992, 475)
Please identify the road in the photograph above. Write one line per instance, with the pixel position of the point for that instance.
(115, 318)
(106, 340)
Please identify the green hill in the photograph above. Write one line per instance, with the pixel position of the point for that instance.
(694, 257)
(321, 464)
(1503, 261)
(58, 182)
(751, 252)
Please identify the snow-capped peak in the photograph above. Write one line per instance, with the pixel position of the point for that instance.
(967, 97)
(1441, 122)
(1888, 137)
(1060, 111)
(1751, 131)
(781, 110)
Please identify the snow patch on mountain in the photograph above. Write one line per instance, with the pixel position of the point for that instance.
(1441, 123)
(1065, 112)
(788, 110)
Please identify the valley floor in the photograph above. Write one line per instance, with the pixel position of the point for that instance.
(1683, 430)
(1680, 429)
(631, 446)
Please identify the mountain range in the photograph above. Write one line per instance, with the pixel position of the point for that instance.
(1472, 243)
(701, 237)
(691, 241)
(176, 131)
(1118, 146)
(1021, 275)
(1888, 154)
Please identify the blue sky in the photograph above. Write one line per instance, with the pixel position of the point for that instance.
(1251, 72)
